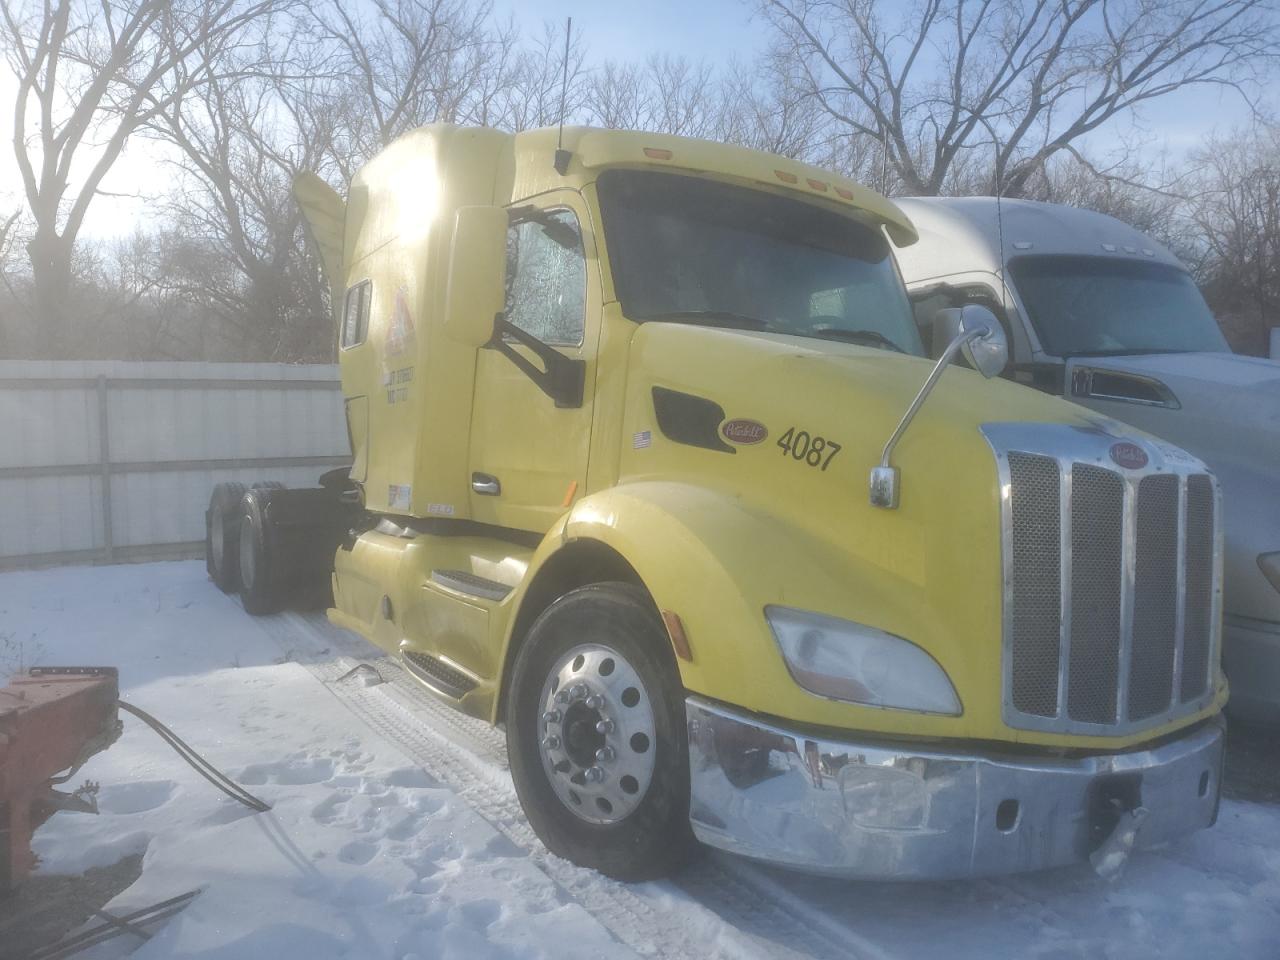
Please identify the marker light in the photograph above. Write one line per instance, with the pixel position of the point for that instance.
(657, 153)
(786, 177)
(849, 661)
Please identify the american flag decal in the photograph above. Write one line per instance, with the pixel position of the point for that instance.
(642, 439)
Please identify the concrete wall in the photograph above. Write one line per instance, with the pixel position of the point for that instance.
(103, 461)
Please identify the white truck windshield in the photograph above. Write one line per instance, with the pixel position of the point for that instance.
(693, 250)
(1099, 306)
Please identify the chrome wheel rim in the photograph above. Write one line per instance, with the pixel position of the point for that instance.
(596, 734)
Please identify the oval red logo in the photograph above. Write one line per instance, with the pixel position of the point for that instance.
(744, 431)
(1129, 455)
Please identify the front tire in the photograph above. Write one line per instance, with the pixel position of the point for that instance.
(596, 734)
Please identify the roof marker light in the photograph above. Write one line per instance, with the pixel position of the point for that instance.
(844, 193)
(1022, 244)
(1147, 251)
(786, 177)
(1109, 247)
(816, 184)
(657, 153)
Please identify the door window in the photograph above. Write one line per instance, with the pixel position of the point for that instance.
(547, 277)
(355, 315)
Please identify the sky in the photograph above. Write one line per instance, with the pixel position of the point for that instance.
(715, 30)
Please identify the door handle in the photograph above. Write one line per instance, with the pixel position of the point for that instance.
(485, 485)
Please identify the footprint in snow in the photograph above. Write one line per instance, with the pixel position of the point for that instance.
(137, 797)
(481, 914)
(358, 852)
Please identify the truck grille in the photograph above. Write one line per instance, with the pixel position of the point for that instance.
(1111, 581)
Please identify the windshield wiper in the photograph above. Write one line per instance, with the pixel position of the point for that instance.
(871, 337)
(712, 318)
(1123, 352)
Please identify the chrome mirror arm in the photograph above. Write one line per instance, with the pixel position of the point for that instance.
(884, 478)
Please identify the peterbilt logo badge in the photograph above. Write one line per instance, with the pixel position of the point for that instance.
(1129, 455)
(744, 431)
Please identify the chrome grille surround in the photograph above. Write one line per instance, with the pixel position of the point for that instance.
(1117, 629)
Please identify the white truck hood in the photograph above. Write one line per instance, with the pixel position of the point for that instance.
(1228, 415)
(1229, 404)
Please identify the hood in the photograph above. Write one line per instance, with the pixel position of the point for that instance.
(1225, 409)
(1222, 407)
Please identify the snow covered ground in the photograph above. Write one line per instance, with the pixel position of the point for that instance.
(395, 832)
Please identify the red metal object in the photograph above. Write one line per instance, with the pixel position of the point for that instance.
(52, 719)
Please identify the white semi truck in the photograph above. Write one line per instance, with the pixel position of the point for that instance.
(1102, 314)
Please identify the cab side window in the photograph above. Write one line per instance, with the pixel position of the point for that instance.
(355, 314)
(547, 277)
(926, 303)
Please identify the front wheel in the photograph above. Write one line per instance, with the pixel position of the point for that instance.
(596, 734)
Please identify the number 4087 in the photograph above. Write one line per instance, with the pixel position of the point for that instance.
(814, 451)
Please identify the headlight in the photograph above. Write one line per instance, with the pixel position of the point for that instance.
(849, 661)
(1270, 564)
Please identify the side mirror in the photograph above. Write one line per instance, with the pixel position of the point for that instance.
(987, 349)
(972, 329)
(477, 287)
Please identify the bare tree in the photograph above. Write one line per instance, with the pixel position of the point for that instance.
(237, 250)
(935, 79)
(1236, 215)
(403, 63)
(90, 73)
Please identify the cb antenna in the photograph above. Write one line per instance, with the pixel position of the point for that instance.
(563, 155)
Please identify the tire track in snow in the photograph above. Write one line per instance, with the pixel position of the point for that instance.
(711, 910)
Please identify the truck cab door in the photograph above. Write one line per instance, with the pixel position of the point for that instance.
(528, 456)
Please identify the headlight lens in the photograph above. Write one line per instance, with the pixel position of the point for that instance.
(850, 661)
(1270, 564)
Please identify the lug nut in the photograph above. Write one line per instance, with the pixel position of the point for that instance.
(578, 691)
(595, 702)
(551, 742)
(562, 696)
(594, 774)
(604, 726)
(604, 755)
(551, 716)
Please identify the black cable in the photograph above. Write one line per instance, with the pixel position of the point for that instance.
(197, 762)
(113, 928)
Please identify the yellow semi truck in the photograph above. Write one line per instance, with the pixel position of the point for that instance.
(649, 466)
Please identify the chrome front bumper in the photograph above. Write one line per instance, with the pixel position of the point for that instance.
(875, 810)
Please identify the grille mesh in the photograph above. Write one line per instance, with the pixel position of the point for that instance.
(1097, 530)
(1097, 560)
(1155, 602)
(1199, 573)
(1037, 596)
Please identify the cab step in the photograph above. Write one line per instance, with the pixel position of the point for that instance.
(437, 674)
(464, 581)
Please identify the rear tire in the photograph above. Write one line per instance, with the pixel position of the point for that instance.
(221, 536)
(600, 655)
(259, 572)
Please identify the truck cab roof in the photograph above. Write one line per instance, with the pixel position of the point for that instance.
(962, 234)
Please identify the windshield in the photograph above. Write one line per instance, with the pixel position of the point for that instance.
(1102, 305)
(697, 251)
